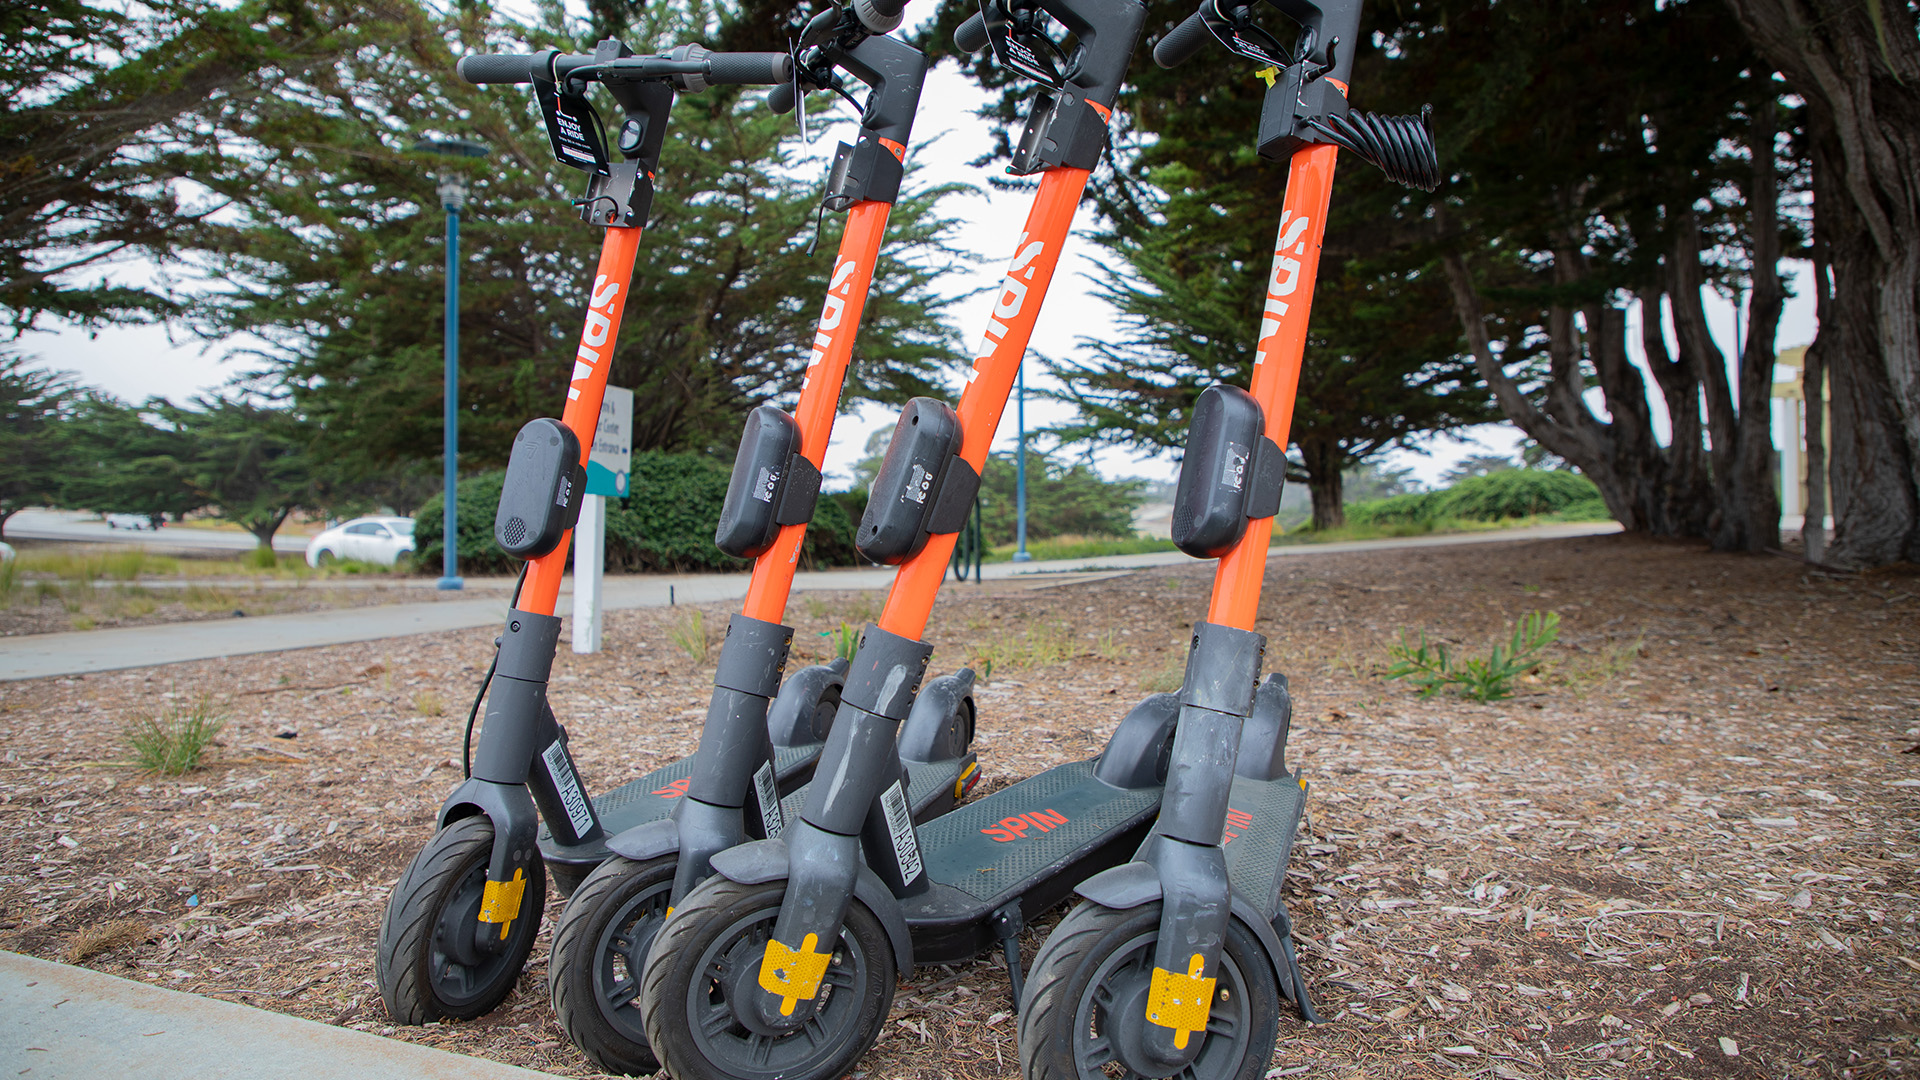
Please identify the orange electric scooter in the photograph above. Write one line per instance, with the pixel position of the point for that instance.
(462, 918)
(783, 963)
(1174, 964)
(732, 794)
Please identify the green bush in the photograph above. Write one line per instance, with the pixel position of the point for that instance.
(665, 524)
(479, 500)
(1510, 493)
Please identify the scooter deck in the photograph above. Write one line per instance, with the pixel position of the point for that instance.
(1026, 845)
(651, 797)
(1262, 819)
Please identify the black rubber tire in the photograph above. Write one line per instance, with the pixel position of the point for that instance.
(1061, 1020)
(722, 913)
(444, 874)
(594, 971)
(326, 557)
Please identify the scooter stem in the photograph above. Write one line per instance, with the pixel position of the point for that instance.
(990, 382)
(1276, 363)
(839, 325)
(588, 385)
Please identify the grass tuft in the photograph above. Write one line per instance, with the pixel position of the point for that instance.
(173, 744)
(845, 639)
(1039, 646)
(429, 703)
(1432, 667)
(92, 940)
(690, 636)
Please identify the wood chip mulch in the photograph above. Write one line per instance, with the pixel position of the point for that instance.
(1687, 847)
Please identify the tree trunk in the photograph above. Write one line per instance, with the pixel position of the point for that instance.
(1630, 471)
(1857, 64)
(1813, 395)
(1325, 462)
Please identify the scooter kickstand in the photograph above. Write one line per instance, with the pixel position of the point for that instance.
(1008, 923)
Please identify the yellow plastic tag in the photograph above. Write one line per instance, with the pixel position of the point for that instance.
(793, 974)
(501, 901)
(1181, 1002)
(1267, 75)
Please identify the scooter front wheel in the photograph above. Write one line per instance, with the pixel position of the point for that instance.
(1085, 1005)
(707, 958)
(436, 960)
(599, 945)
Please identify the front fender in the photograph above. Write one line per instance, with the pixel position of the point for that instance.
(1128, 885)
(1131, 885)
(766, 860)
(515, 822)
(649, 840)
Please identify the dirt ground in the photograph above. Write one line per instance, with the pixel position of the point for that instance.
(1687, 848)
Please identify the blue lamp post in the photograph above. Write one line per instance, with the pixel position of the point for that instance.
(1020, 470)
(453, 198)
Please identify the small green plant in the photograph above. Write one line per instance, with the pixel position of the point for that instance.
(1108, 646)
(174, 742)
(690, 636)
(863, 610)
(1431, 667)
(845, 639)
(1164, 681)
(1038, 646)
(429, 703)
(9, 580)
(262, 558)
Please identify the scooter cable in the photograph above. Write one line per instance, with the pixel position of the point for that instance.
(473, 713)
(1401, 146)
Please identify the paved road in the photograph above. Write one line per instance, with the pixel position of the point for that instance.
(71, 1023)
(42, 655)
(76, 526)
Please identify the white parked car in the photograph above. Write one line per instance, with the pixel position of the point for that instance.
(369, 539)
(136, 522)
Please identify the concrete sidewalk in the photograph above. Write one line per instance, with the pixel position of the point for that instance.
(42, 655)
(69, 1022)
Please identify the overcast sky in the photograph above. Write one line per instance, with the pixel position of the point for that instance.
(137, 362)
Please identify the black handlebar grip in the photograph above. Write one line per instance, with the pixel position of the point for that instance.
(971, 36)
(748, 68)
(482, 68)
(879, 16)
(1182, 42)
(780, 98)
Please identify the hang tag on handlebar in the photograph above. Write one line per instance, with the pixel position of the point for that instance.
(1024, 53)
(1249, 42)
(573, 128)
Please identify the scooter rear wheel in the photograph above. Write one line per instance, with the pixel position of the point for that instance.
(712, 944)
(432, 963)
(1085, 992)
(599, 945)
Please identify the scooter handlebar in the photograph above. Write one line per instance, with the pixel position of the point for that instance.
(749, 68)
(971, 36)
(482, 68)
(1182, 42)
(780, 98)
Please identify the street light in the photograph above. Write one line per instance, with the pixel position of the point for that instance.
(453, 197)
